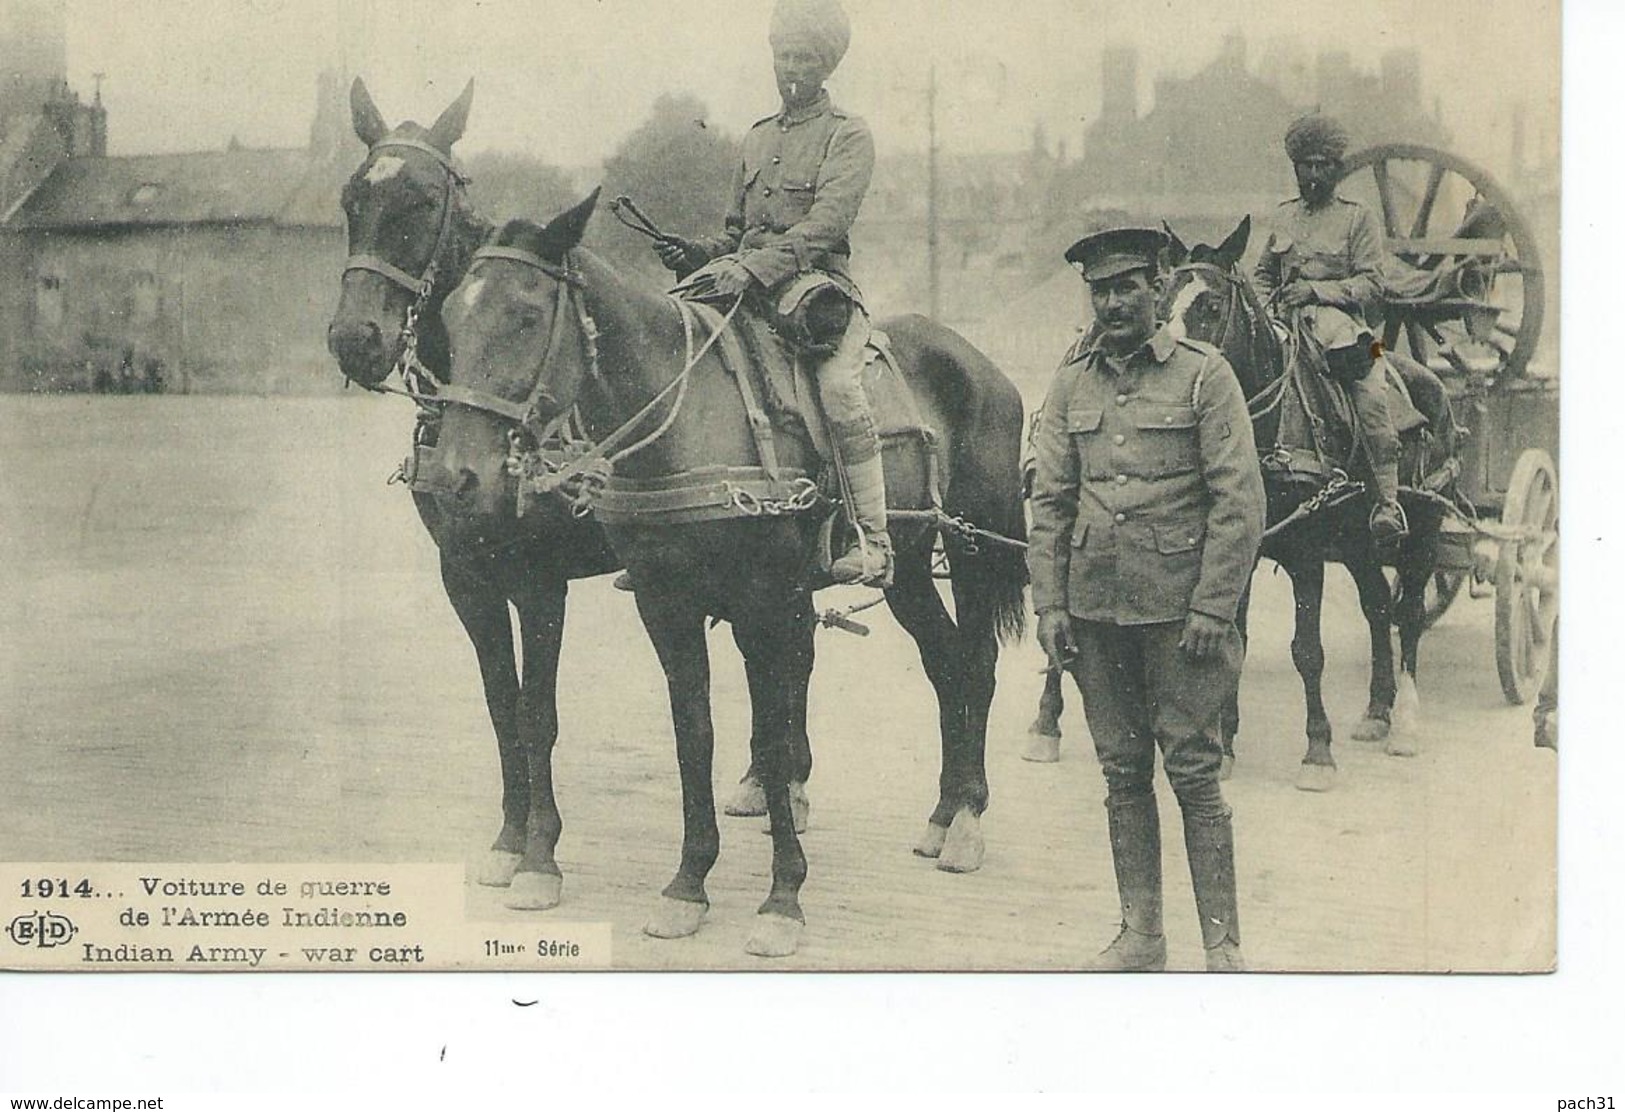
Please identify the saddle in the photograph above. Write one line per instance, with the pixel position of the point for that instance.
(766, 356)
(1318, 429)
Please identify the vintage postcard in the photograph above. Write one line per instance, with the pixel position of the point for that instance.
(786, 485)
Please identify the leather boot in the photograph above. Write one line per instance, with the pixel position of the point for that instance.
(1210, 845)
(869, 558)
(1136, 837)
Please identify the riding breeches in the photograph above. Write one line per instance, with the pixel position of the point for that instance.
(1370, 397)
(1142, 692)
(840, 390)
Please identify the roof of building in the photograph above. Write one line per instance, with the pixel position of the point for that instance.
(285, 187)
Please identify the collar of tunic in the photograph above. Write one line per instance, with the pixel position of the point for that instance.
(792, 116)
(1160, 346)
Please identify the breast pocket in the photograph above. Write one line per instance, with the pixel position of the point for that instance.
(1167, 440)
(1084, 427)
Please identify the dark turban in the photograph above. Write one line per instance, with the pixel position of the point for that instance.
(1316, 135)
(819, 25)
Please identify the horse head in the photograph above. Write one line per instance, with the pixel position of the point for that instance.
(410, 232)
(524, 344)
(1207, 299)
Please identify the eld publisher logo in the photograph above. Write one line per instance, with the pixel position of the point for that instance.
(43, 929)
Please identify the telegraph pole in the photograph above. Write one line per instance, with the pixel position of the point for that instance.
(931, 203)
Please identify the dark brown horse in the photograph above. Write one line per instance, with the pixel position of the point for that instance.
(541, 325)
(411, 236)
(1313, 521)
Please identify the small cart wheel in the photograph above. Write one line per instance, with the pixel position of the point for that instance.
(1526, 577)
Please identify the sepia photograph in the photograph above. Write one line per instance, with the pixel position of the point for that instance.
(780, 485)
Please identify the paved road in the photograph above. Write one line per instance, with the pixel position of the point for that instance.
(222, 639)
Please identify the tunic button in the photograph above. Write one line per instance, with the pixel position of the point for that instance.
(1120, 518)
(777, 160)
(1167, 420)
(767, 191)
(1119, 439)
(1121, 479)
(1122, 399)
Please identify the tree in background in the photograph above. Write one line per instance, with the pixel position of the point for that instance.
(503, 186)
(678, 169)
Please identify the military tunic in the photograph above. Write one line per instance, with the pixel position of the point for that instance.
(1148, 501)
(800, 181)
(1337, 249)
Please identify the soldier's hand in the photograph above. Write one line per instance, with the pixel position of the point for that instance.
(1055, 635)
(1295, 295)
(1204, 636)
(679, 254)
(732, 279)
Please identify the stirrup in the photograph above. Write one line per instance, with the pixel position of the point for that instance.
(856, 565)
(1385, 532)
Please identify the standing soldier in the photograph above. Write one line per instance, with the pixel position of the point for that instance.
(1323, 260)
(800, 180)
(1147, 514)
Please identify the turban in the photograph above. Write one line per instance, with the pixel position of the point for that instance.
(819, 25)
(1316, 135)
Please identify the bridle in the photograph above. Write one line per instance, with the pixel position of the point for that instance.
(419, 380)
(571, 302)
(1241, 302)
(593, 465)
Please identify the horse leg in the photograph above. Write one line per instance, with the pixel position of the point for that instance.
(978, 646)
(748, 800)
(483, 610)
(1317, 772)
(1044, 735)
(677, 630)
(791, 682)
(538, 884)
(1376, 601)
(1416, 568)
(914, 600)
(769, 636)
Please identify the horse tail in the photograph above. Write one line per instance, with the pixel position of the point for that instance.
(984, 488)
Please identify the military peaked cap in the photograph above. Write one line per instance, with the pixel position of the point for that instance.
(1117, 251)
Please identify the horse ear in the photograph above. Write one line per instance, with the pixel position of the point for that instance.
(449, 127)
(565, 230)
(364, 115)
(1235, 244)
(1178, 253)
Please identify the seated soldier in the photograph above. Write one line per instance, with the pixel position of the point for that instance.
(800, 180)
(1323, 260)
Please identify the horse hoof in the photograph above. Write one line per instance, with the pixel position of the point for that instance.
(748, 800)
(1402, 743)
(1042, 748)
(675, 918)
(497, 870)
(534, 892)
(963, 849)
(1227, 766)
(800, 810)
(930, 843)
(774, 936)
(1316, 777)
(1370, 729)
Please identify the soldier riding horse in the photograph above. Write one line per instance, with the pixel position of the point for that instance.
(715, 516)
(1319, 509)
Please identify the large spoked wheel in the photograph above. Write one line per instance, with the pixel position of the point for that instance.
(1441, 212)
(1526, 577)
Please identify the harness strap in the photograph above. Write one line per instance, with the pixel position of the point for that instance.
(761, 427)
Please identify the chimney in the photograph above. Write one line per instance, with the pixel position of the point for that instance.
(1119, 95)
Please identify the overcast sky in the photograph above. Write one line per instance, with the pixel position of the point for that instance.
(565, 80)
